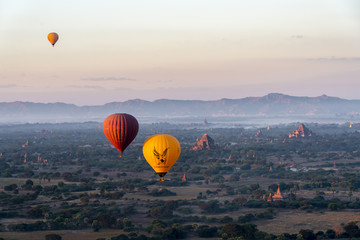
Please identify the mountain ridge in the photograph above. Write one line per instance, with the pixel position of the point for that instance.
(270, 105)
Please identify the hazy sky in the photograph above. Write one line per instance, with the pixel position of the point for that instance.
(184, 49)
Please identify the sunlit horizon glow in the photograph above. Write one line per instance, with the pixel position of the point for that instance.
(119, 50)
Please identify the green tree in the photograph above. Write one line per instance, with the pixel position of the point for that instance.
(307, 234)
(333, 206)
(120, 237)
(84, 200)
(299, 237)
(240, 201)
(250, 230)
(330, 234)
(95, 225)
(352, 229)
(106, 221)
(161, 212)
(204, 231)
(128, 225)
(212, 206)
(52, 237)
(233, 230)
(10, 187)
(35, 212)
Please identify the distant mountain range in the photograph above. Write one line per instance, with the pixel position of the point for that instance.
(273, 105)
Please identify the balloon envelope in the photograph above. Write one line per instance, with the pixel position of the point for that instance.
(120, 129)
(53, 37)
(161, 151)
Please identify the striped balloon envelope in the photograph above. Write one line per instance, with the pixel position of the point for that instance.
(120, 129)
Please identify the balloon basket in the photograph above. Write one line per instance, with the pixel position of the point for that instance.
(161, 175)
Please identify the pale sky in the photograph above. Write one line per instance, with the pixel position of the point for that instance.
(116, 50)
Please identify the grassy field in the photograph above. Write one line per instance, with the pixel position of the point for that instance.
(65, 234)
(293, 221)
(182, 193)
(73, 235)
(21, 181)
(7, 181)
(290, 221)
(284, 221)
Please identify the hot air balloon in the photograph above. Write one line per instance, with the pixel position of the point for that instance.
(161, 151)
(120, 129)
(53, 37)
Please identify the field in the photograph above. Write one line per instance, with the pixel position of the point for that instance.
(65, 234)
(293, 221)
(85, 191)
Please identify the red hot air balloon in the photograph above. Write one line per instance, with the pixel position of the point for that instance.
(120, 129)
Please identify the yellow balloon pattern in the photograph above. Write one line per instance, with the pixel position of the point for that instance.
(161, 151)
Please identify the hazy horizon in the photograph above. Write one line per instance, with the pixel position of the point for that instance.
(153, 100)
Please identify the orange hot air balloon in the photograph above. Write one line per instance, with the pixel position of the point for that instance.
(53, 37)
(120, 129)
(161, 151)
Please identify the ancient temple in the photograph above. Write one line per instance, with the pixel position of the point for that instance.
(205, 123)
(301, 131)
(269, 199)
(25, 144)
(204, 143)
(277, 196)
(274, 197)
(184, 178)
(259, 133)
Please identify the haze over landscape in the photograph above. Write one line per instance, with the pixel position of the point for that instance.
(204, 50)
(157, 120)
(273, 108)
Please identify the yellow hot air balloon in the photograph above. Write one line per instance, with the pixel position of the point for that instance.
(161, 151)
(53, 37)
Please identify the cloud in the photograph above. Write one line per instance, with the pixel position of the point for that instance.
(8, 86)
(108, 79)
(84, 87)
(344, 59)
